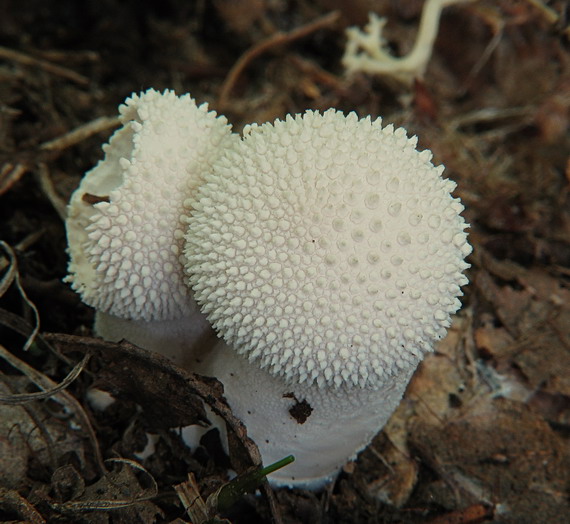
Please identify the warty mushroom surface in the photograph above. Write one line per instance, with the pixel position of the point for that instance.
(126, 222)
(328, 253)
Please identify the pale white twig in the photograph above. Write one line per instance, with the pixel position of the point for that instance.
(367, 51)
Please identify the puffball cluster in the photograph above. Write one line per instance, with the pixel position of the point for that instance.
(125, 221)
(325, 250)
(328, 249)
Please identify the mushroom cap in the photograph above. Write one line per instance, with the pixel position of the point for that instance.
(125, 223)
(328, 249)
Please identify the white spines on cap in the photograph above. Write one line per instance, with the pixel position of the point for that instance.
(328, 250)
(126, 220)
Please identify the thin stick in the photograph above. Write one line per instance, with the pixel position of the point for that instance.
(81, 133)
(10, 174)
(275, 40)
(47, 187)
(24, 244)
(23, 398)
(27, 60)
(550, 14)
(12, 276)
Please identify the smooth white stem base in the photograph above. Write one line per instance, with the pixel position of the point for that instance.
(340, 424)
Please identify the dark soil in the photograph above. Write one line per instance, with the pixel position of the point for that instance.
(483, 432)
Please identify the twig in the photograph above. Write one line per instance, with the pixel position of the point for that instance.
(486, 55)
(54, 55)
(258, 49)
(13, 276)
(27, 60)
(22, 398)
(375, 57)
(318, 73)
(24, 244)
(47, 187)
(10, 174)
(549, 14)
(81, 133)
(489, 115)
(189, 494)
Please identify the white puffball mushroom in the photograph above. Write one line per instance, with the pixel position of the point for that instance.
(328, 253)
(126, 221)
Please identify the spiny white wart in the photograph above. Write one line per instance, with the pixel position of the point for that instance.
(126, 221)
(327, 249)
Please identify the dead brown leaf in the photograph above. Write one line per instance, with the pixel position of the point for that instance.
(501, 454)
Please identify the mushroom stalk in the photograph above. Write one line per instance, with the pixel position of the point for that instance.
(322, 428)
(327, 252)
